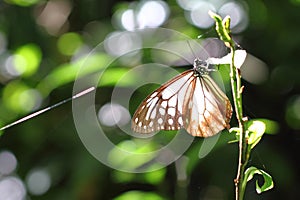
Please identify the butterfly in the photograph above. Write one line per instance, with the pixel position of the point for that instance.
(191, 100)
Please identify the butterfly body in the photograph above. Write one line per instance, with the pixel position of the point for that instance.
(191, 100)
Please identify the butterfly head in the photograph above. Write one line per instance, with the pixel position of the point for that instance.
(202, 67)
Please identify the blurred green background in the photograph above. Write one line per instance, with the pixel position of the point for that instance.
(42, 44)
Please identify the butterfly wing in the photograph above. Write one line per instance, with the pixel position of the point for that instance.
(189, 100)
(206, 109)
(162, 110)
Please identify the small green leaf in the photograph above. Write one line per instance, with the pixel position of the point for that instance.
(255, 130)
(222, 27)
(237, 132)
(268, 181)
(226, 23)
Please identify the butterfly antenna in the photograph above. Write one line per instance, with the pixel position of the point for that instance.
(237, 45)
(205, 33)
(48, 108)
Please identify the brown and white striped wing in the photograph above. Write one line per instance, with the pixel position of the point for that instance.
(206, 109)
(162, 110)
(189, 100)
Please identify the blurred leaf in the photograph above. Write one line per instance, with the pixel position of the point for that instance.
(114, 76)
(20, 98)
(268, 181)
(23, 2)
(138, 195)
(130, 155)
(155, 177)
(122, 177)
(67, 73)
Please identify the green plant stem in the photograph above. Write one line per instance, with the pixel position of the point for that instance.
(223, 30)
(243, 146)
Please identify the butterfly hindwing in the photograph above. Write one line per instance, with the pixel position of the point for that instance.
(202, 110)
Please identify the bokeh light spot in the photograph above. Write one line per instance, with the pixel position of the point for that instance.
(239, 18)
(113, 114)
(19, 97)
(12, 188)
(128, 20)
(10, 68)
(199, 15)
(26, 59)
(152, 14)
(187, 4)
(120, 43)
(69, 43)
(38, 181)
(8, 162)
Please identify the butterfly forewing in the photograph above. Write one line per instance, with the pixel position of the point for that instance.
(162, 110)
(190, 100)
